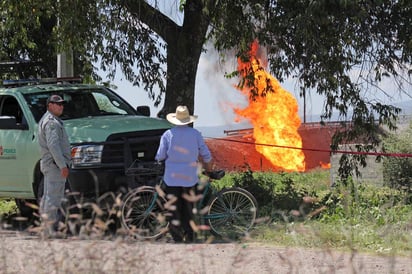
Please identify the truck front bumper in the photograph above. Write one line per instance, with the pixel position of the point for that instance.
(92, 183)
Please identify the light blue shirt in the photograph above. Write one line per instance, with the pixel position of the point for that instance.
(181, 147)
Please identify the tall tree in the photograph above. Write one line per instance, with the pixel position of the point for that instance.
(25, 50)
(339, 49)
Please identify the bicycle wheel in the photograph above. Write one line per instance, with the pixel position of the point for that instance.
(232, 212)
(143, 213)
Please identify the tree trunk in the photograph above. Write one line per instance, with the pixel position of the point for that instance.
(184, 48)
(181, 80)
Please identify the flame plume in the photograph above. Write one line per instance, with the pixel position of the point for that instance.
(274, 117)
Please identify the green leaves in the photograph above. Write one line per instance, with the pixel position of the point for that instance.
(341, 50)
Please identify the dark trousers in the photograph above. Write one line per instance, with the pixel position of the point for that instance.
(181, 215)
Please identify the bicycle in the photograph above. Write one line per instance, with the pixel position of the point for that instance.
(230, 212)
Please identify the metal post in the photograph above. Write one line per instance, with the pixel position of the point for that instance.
(65, 64)
(304, 106)
(64, 59)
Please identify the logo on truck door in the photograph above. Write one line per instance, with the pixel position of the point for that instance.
(7, 153)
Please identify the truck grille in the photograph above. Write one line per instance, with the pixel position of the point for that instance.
(125, 148)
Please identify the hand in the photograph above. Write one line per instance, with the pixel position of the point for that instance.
(65, 172)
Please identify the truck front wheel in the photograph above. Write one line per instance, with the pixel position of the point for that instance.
(27, 209)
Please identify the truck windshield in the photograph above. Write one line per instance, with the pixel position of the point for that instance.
(80, 103)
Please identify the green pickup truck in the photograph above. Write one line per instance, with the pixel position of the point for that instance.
(107, 136)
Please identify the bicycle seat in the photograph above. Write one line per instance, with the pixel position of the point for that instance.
(216, 174)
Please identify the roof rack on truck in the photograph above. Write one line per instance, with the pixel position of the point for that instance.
(34, 81)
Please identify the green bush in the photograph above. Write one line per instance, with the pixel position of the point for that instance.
(363, 202)
(302, 196)
(397, 171)
(7, 207)
(281, 195)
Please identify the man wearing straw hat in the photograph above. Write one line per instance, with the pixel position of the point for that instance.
(181, 147)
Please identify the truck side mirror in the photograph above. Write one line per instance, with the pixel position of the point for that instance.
(143, 110)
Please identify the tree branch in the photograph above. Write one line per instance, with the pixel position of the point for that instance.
(157, 21)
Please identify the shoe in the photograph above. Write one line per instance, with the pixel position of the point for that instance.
(189, 237)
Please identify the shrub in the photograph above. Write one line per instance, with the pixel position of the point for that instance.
(282, 195)
(397, 171)
(358, 203)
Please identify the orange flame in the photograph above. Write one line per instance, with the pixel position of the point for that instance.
(274, 118)
(324, 165)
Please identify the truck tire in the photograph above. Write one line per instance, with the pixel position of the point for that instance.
(27, 208)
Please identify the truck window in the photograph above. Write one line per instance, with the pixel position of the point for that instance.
(108, 105)
(82, 103)
(10, 107)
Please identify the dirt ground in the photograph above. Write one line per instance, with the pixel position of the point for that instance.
(22, 253)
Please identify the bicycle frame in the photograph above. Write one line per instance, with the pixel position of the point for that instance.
(226, 211)
(203, 202)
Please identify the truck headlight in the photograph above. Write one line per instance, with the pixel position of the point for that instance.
(86, 155)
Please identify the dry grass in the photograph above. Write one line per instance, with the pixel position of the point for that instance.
(30, 254)
(93, 247)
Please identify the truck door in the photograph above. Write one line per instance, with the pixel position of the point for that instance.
(18, 148)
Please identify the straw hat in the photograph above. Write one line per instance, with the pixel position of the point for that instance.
(181, 116)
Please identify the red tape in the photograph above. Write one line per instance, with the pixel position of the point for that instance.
(400, 155)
